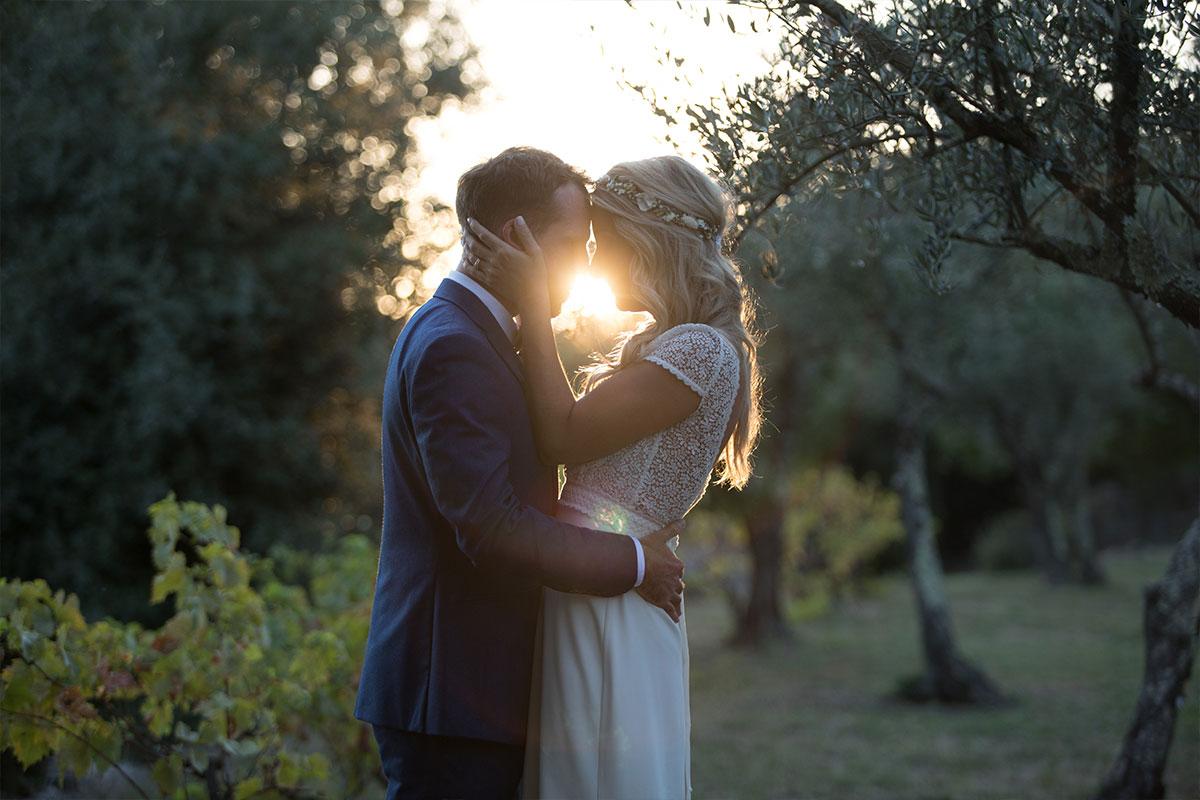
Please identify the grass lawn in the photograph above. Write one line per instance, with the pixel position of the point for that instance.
(812, 717)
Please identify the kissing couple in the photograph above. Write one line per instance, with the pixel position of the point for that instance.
(523, 642)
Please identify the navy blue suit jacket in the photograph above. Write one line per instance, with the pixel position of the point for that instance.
(468, 534)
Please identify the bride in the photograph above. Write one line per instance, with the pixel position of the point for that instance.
(678, 398)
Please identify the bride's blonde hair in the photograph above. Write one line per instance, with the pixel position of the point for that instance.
(673, 215)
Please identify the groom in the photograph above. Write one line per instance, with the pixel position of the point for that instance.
(469, 536)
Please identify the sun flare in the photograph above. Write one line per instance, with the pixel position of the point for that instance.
(591, 297)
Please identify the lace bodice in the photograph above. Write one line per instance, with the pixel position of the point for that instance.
(662, 476)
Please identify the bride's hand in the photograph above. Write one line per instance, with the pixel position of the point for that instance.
(516, 273)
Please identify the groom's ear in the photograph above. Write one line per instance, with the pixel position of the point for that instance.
(508, 233)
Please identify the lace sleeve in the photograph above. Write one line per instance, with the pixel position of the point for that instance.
(695, 354)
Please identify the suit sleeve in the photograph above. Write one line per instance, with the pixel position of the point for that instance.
(459, 430)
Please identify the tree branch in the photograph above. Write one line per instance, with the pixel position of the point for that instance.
(773, 193)
(942, 94)
(910, 370)
(1158, 176)
(1177, 289)
(1123, 112)
(1154, 376)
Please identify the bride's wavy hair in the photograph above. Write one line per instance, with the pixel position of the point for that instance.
(673, 216)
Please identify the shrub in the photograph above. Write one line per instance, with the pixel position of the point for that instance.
(247, 689)
(1005, 542)
(834, 528)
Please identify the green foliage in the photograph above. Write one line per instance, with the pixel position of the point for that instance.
(717, 562)
(203, 205)
(246, 689)
(834, 528)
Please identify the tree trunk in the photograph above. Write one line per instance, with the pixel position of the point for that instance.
(1048, 530)
(1171, 621)
(762, 617)
(1083, 538)
(1049, 548)
(1063, 541)
(948, 677)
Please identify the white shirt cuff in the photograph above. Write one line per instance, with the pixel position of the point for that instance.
(641, 556)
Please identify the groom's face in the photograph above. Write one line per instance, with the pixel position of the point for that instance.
(564, 241)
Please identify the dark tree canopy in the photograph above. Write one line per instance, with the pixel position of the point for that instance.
(201, 204)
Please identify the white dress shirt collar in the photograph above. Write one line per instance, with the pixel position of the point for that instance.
(503, 318)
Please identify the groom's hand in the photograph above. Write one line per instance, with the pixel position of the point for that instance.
(662, 583)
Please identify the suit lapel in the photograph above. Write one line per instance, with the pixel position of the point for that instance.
(478, 313)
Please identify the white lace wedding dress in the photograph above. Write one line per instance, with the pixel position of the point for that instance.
(609, 715)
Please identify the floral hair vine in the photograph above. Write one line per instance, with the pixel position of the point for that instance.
(628, 189)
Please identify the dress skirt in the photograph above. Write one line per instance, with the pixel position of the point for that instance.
(609, 713)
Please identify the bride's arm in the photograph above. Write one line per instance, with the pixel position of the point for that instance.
(633, 403)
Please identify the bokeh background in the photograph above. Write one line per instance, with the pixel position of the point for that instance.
(972, 233)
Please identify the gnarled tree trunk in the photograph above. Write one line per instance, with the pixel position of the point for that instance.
(1054, 485)
(948, 676)
(1083, 539)
(1172, 624)
(1049, 530)
(762, 617)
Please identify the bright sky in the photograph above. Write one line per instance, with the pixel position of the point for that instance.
(554, 70)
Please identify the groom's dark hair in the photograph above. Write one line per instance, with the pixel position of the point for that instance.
(518, 182)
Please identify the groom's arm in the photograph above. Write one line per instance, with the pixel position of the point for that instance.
(460, 431)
